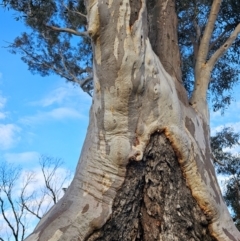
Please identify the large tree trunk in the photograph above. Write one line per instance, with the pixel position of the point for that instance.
(154, 202)
(145, 171)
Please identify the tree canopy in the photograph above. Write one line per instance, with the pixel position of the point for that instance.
(221, 143)
(193, 17)
(58, 42)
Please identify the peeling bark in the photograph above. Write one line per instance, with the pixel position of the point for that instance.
(120, 168)
(154, 202)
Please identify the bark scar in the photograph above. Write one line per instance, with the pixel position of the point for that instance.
(135, 6)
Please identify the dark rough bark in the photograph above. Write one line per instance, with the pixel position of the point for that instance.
(154, 202)
(163, 34)
(135, 8)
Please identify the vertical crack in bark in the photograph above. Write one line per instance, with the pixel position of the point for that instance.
(135, 6)
(154, 202)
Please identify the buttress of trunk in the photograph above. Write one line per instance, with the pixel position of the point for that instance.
(127, 178)
(154, 202)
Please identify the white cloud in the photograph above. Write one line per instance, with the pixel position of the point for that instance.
(34, 189)
(2, 102)
(234, 125)
(2, 115)
(61, 178)
(56, 96)
(222, 182)
(65, 102)
(2, 105)
(216, 129)
(230, 118)
(55, 114)
(8, 135)
(61, 113)
(59, 96)
(22, 157)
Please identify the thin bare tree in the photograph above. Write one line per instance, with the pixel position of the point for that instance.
(25, 196)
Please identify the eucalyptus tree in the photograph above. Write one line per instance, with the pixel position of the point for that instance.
(229, 167)
(192, 19)
(146, 168)
(47, 47)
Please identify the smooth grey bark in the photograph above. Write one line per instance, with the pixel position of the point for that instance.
(135, 96)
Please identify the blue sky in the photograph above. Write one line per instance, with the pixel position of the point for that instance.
(47, 115)
(38, 115)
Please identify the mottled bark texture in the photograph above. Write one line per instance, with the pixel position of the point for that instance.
(154, 202)
(129, 185)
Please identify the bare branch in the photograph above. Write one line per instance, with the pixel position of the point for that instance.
(13, 211)
(68, 30)
(36, 214)
(9, 175)
(49, 167)
(218, 39)
(76, 12)
(69, 77)
(197, 29)
(215, 57)
(24, 199)
(5, 218)
(195, 41)
(83, 82)
(217, 161)
(205, 41)
(47, 179)
(23, 227)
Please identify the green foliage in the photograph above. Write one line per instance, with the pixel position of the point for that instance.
(193, 17)
(226, 138)
(46, 51)
(231, 168)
